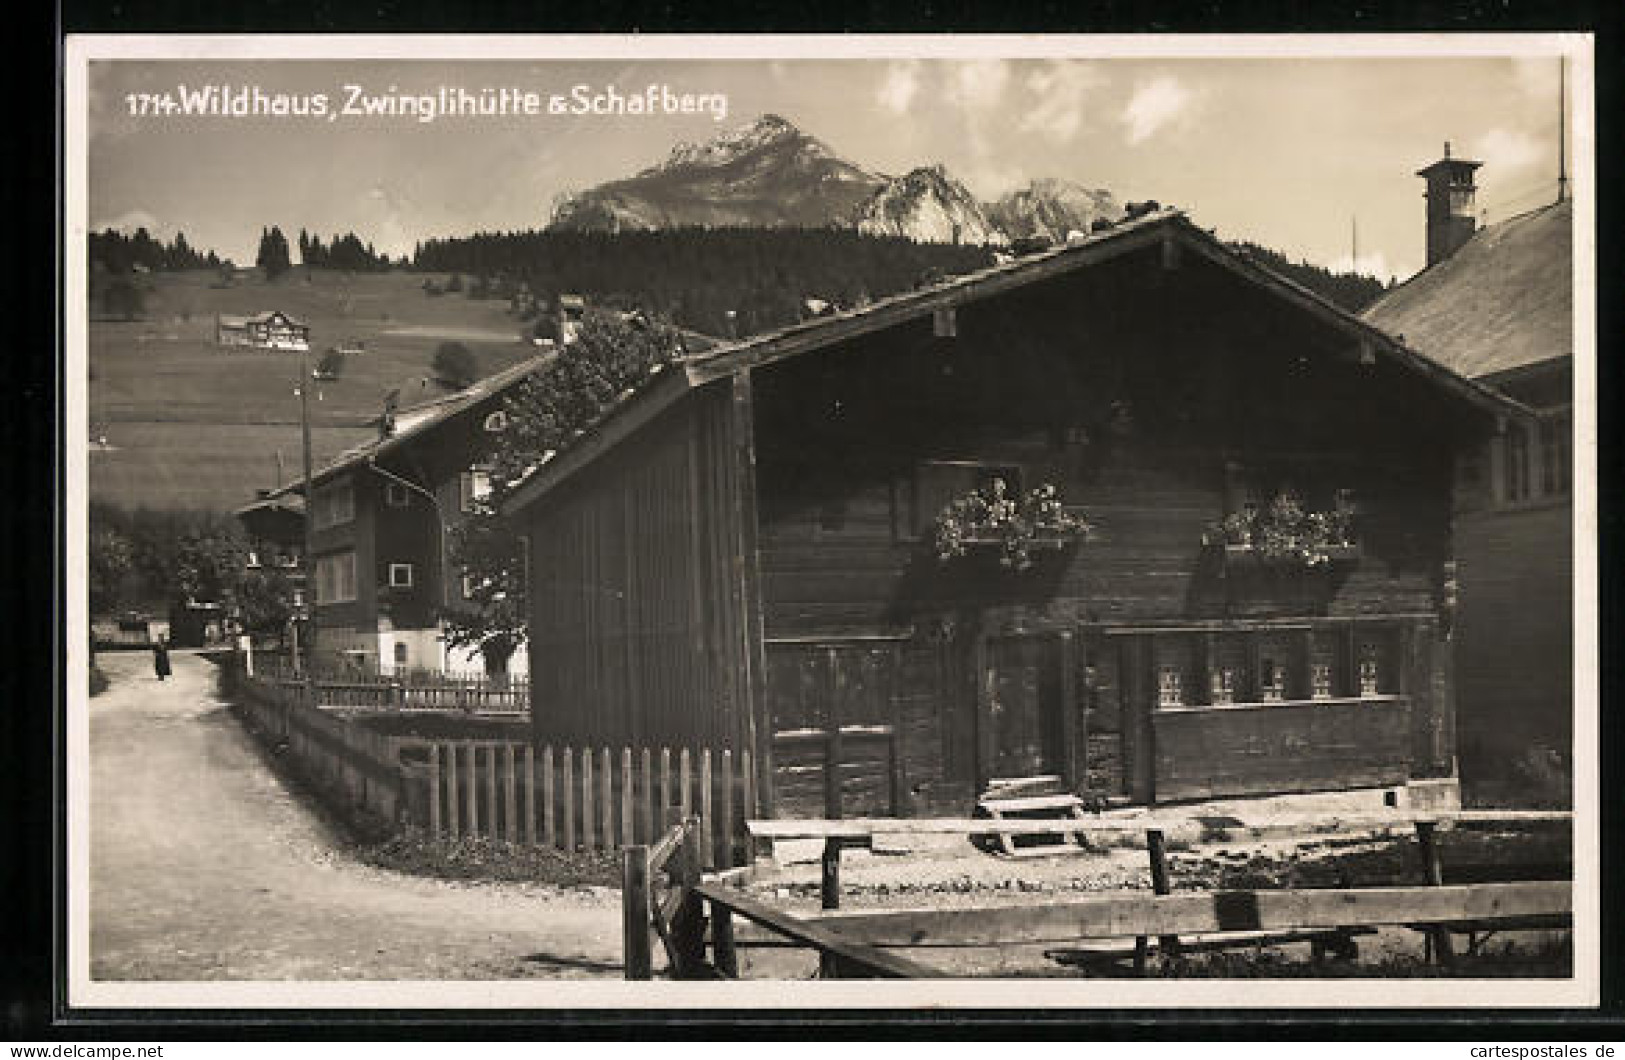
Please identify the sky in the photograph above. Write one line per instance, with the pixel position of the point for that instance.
(1295, 154)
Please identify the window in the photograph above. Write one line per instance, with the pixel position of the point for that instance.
(938, 482)
(253, 561)
(1274, 663)
(1371, 669)
(400, 653)
(472, 485)
(1322, 667)
(334, 504)
(397, 495)
(335, 578)
(400, 575)
(470, 584)
(496, 422)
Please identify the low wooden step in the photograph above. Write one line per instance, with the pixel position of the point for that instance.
(1061, 808)
(1034, 802)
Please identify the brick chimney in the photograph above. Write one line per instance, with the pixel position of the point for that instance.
(1450, 194)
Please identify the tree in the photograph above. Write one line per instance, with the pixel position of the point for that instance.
(112, 560)
(331, 365)
(544, 412)
(454, 364)
(273, 253)
(264, 600)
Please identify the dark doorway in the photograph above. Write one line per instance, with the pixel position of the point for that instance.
(1023, 708)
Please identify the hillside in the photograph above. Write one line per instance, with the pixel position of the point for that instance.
(189, 424)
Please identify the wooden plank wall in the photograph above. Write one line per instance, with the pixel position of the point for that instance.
(1514, 636)
(638, 636)
(1203, 754)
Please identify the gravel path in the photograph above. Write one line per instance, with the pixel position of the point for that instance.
(204, 866)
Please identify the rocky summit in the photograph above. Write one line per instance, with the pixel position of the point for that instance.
(770, 174)
(767, 174)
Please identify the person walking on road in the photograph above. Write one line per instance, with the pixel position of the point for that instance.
(160, 658)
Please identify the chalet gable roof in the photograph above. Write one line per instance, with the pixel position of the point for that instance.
(434, 414)
(1168, 227)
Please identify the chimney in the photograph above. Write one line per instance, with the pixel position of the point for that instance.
(1449, 204)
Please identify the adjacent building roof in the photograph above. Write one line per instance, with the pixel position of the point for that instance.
(428, 416)
(1503, 301)
(264, 317)
(1160, 227)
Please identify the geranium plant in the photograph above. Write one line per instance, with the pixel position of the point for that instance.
(1286, 532)
(1017, 523)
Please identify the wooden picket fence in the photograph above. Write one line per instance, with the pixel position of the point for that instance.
(585, 799)
(472, 695)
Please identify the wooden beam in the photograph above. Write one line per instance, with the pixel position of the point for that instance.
(1126, 916)
(1167, 822)
(814, 933)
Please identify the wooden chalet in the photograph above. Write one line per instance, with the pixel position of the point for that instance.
(1496, 304)
(270, 330)
(743, 554)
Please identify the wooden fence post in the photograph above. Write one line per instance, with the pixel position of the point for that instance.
(665, 783)
(606, 798)
(707, 822)
(1433, 874)
(1156, 846)
(569, 801)
(589, 819)
(628, 791)
(510, 795)
(434, 791)
(491, 791)
(453, 796)
(683, 802)
(688, 926)
(726, 832)
(473, 764)
(648, 814)
(722, 941)
(549, 794)
(829, 897)
(635, 956)
(530, 794)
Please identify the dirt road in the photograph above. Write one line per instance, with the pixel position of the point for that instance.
(204, 866)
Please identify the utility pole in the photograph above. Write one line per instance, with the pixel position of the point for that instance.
(1354, 238)
(310, 518)
(1562, 128)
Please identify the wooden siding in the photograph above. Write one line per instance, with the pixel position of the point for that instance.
(638, 631)
(1144, 420)
(1514, 636)
(1251, 750)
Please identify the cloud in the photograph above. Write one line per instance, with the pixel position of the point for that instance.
(977, 87)
(1537, 75)
(128, 222)
(1154, 105)
(1060, 90)
(901, 85)
(1507, 150)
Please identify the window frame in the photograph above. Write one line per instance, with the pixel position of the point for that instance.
(394, 490)
(411, 575)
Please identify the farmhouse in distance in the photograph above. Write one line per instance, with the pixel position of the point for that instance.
(270, 330)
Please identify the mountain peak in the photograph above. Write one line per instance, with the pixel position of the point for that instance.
(766, 130)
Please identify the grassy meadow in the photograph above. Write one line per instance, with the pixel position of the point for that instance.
(189, 424)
